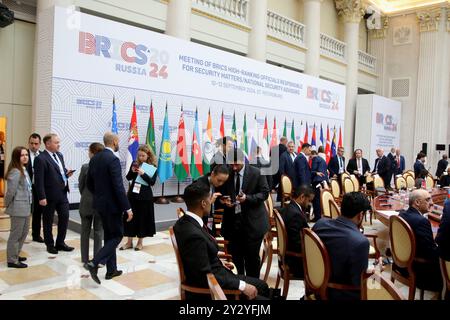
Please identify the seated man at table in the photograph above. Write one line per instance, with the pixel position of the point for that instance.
(295, 220)
(198, 249)
(445, 179)
(347, 247)
(443, 235)
(428, 275)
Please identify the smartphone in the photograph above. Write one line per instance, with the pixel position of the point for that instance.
(135, 165)
(72, 171)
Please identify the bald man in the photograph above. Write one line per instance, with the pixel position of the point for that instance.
(428, 276)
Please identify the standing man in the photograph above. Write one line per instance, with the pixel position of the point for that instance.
(358, 166)
(245, 220)
(419, 164)
(51, 182)
(105, 182)
(391, 157)
(319, 176)
(442, 166)
(382, 168)
(336, 166)
(302, 170)
(287, 161)
(399, 162)
(34, 144)
(278, 151)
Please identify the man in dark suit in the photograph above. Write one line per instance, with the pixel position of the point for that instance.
(382, 168)
(34, 144)
(51, 182)
(358, 166)
(442, 166)
(302, 169)
(445, 179)
(391, 157)
(336, 166)
(347, 247)
(105, 182)
(319, 176)
(419, 164)
(399, 162)
(278, 151)
(443, 235)
(295, 219)
(245, 220)
(428, 275)
(287, 161)
(198, 249)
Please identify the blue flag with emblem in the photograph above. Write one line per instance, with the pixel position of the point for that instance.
(165, 152)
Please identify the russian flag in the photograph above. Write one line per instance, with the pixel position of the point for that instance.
(133, 139)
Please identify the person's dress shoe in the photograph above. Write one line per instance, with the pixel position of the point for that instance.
(21, 259)
(38, 239)
(52, 250)
(93, 271)
(64, 247)
(17, 265)
(111, 275)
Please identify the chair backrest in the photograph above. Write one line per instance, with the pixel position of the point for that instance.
(281, 235)
(216, 290)
(355, 182)
(348, 185)
(180, 212)
(400, 183)
(177, 255)
(377, 287)
(410, 182)
(445, 270)
(334, 209)
(369, 178)
(325, 197)
(316, 263)
(286, 186)
(269, 205)
(429, 181)
(403, 243)
(344, 175)
(335, 188)
(411, 173)
(378, 183)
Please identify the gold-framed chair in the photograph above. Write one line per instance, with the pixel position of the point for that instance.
(334, 209)
(344, 175)
(325, 197)
(286, 190)
(410, 182)
(355, 181)
(270, 246)
(336, 190)
(378, 183)
(216, 291)
(283, 268)
(445, 270)
(430, 181)
(400, 183)
(411, 173)
(376, 287)
(185, 287)
(348, 185)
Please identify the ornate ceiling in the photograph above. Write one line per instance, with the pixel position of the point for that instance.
(395, 6)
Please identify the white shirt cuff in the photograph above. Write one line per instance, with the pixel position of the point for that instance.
(241, 285)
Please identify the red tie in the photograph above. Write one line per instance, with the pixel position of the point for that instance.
(398, 162)
(310, 163)
(209, 234)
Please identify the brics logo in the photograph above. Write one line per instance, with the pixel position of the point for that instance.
(326, 98)
(387, 121)
(89, 103)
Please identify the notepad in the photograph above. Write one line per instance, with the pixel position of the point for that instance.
(149, 170)
(388, 212)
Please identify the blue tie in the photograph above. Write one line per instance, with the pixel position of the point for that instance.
(60, 170)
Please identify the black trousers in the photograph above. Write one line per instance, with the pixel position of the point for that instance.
(62, 209)
(316, 202)
(37, 216)
(245, 252)
(112, 235)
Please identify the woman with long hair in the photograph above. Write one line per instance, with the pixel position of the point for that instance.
(140, 195)
(18, 201)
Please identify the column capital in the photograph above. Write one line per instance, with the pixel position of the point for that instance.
(380, 33)
(350, 10)
(429, 19)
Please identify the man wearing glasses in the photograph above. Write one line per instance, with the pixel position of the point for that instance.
(428, 275)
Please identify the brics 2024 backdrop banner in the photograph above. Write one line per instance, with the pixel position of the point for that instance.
(96, 59)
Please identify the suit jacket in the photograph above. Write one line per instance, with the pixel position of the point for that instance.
(18, 195)
(105, 182)
(287, 165)
(441, 167)
(399, 170)
(443, 235)
(319, 165)
(392, 162)
(444, 181)
(302, 171)
(198, 253)
(348, 249)
(146, 192)
(263, 163)
(280, 149)
(353, 166)
(47, 177)
(333, 165)
(383, 169)
(418, 166)
(87, 199)
(253, 220)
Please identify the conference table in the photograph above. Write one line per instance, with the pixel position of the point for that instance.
(386, 205)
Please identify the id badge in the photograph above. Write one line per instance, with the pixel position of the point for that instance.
(2, 157)
(137, 188)
(237, 208)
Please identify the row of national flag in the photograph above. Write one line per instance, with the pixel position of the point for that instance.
(200, 160)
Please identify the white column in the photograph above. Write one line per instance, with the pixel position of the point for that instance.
(377, 48)
(312, 36)
(258, 34)
(351, 12)
(178, 23)
(433, 83)
(43, 62)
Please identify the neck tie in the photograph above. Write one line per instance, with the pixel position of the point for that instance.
(238, 183)
(398, 162)
(56, 158)
(209, 234)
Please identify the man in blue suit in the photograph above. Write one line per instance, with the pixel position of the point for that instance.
(399, 162)
(287, 161)
(319, 175)
(110, 200)
(347, 247)
(51, 182)
(302, 170)
(419, 164)
(428, 275)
